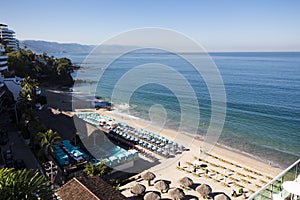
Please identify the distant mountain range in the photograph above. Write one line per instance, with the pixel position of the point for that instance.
(39, 46)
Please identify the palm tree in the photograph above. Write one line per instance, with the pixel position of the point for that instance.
(29, 86)
(24, 184)
(48, 138)
(97, 170)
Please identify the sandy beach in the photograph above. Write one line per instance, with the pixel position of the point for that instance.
(227, 169)
(242, 170)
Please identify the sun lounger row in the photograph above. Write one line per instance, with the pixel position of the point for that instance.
(61, 157)
(74, 151)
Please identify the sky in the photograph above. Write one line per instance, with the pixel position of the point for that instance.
(253, 25)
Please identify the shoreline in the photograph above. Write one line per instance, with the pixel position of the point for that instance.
(140, 123)
(220, 150)
(167, 169)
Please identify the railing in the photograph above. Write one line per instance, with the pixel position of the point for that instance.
(274, 186)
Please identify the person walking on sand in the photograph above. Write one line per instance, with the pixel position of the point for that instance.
(178, 163)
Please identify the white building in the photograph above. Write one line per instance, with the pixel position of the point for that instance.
(8, 37)
(12, 83)
(3, 59)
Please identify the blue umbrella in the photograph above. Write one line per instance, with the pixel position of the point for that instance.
(149, 146)
(167, 147)
(157, 142)
(153, 141)
(154, 148)
(159, 150)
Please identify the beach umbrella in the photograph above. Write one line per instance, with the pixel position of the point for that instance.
(172, 150)
(159, 150)
(148, 176)
(204, 190)
(161, 186)
(165, 153)
(186, 182)
(162, 144)
(152, 196)
(138, 189)
(167, 147)
(176, 193)
(222, 197)
(181, 147)
(154, 148)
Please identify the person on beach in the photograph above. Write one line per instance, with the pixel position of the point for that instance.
(178, 163)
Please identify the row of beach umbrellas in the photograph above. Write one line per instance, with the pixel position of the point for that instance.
(176, 193)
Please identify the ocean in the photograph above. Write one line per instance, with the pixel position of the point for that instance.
(262, 96)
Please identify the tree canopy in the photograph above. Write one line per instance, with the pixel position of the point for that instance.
(40, 66)
(24, 184)
(97, 170)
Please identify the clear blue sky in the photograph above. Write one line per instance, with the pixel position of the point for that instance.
(254, 25)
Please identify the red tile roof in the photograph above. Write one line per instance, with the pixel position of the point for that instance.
(92, 188)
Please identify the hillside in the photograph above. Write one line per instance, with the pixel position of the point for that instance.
(38, 46)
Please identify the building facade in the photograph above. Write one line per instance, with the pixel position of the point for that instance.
(7, 37)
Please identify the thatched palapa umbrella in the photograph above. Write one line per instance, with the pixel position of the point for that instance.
(162, 186)
(148, 176)
(204, 190)
(176, 193)
(152, 196)
(186, 182)
(222, 197)
(138, 189)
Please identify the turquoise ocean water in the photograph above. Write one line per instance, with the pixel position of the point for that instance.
(262, 90)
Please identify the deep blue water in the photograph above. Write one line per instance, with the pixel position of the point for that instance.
(262, 96)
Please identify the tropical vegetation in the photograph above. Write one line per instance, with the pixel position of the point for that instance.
(97, 170)
(47, 139)
(42, 67)
(24, 184)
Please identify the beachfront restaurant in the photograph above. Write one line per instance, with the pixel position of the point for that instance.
(138, 139)
(101, 147)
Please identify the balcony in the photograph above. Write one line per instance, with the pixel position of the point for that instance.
(284, 186)
(3, 68)
(3, 62)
